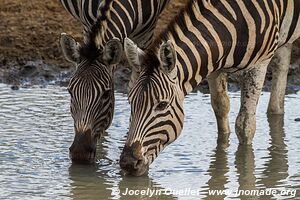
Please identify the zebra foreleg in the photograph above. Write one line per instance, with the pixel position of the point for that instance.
(279, 79)
(221, 104)
(251, 87)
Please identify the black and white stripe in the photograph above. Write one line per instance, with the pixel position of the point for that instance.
(88, 110)
(85, 11)
(208, 36)
(91, 87)
(135, 19)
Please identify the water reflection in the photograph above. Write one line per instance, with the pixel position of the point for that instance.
(151, 190)
(244, 161)
(276, 170)
(276, 166)
(218, 170)
(36, 131)
(87, 182)
(273, 175)
(104, 180)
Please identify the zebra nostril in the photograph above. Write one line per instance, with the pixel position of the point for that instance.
(138, 164)
(132, 159)
(130, 163)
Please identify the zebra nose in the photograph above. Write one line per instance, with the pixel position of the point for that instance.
(130, 163)
(132, 160)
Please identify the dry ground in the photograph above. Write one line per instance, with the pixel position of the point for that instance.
(29, 31)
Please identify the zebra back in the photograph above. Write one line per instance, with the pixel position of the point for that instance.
(85, 11)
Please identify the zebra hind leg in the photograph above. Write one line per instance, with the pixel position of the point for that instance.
(279, 79)
(251, 87)
(221, 104)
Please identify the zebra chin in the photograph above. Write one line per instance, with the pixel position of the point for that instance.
(83, 157)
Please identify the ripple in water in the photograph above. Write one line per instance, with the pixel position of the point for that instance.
(36, 131)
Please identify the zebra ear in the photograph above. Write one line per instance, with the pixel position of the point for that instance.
(167, 55)
(70, 48)
(112, 52)
(134, 54)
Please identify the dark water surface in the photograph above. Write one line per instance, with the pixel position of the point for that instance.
(36, 131)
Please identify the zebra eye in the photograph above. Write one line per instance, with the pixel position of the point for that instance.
(162, 105)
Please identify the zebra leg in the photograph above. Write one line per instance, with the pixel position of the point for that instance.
(251, 87)
(279, 79)
(221, 104)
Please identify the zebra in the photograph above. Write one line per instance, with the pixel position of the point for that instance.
(207, 38)
(85, 11)
(91, 86)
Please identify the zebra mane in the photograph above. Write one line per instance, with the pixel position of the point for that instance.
(151, 60)
(103, 8)
(90, 49)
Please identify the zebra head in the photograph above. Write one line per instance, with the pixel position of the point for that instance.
(156, 106)
(92, 93)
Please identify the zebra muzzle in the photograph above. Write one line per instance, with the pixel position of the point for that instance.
(132, 160)
(83, 148)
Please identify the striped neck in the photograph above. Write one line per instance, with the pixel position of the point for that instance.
(196, 45)
(209, 35)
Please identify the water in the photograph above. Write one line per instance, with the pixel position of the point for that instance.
(36, 131)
